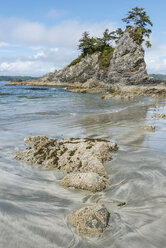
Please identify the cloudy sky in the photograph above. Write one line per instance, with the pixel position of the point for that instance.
(38, 36)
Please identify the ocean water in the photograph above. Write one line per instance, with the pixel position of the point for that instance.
(34, 208)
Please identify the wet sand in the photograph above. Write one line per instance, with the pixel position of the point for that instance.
(34, 208)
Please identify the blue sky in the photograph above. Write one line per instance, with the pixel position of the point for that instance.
(40, 36)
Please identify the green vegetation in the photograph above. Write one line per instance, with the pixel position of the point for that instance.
(90, 45)
(105, 57)
(138, 20)
(77, 60)
(16, 78)
(121, 204)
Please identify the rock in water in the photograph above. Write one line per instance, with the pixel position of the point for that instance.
(127, 65)
(160, 115)
(90, 221)
(149, 128)
(88, 181)
(70, 155)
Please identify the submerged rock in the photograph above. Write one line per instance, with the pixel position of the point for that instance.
(90, 221)
(130, 92)
(160, 115)
(70, 155)
(149, 128)
(87, 181)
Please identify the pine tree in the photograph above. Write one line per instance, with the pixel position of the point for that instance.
(139, 21)
(86, 43)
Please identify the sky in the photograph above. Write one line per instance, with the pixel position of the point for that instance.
(38, 36)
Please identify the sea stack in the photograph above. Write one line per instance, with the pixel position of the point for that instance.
(127, 65)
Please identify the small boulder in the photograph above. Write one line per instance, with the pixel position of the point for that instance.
(90, 221)
(149, 128)
(87, 181)
(160, 115)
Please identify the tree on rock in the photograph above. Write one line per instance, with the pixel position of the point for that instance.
(86, 44)
(104, 41)
(139, 20)
(115, 35)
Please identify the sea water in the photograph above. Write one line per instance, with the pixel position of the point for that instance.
(34, 208)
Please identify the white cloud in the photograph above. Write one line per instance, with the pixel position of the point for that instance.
(66, 33)
(39, 55)
(45, 60)
(156, 57)
(55, 46)
(3, 44)
(19, 67)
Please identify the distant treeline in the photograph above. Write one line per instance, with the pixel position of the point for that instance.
(16, 78)
(158, 76)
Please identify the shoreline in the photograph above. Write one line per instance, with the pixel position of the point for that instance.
(154, 89)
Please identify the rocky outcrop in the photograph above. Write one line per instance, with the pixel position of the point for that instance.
(127, 65)
(160, 116)
(70, 155)
(83, 160)
(133, 91)
(149, 128)
(87, 69)
(87, 181)
(90, 221)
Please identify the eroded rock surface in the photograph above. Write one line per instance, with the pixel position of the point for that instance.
(70, 155)
(81, 72)
(87, 181)
(90, 221)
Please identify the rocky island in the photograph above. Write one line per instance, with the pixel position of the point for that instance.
(111, 64)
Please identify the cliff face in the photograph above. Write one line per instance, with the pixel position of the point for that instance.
(127, 66)
(86, 69)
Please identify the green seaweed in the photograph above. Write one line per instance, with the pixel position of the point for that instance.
(121, 204)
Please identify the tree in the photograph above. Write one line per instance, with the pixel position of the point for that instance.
(102, 43)
(139, 20)
(86, 43)
(106, 38)
(115, 35)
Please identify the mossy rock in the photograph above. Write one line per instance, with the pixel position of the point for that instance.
(105, 57)
(76, 61)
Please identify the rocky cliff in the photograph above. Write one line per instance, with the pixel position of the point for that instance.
(127, 66)
(80, 72)
(86, 73)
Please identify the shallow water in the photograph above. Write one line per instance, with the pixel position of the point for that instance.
(33, 206)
